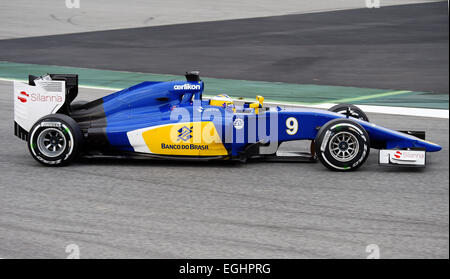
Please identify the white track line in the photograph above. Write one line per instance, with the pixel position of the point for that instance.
(422, 112)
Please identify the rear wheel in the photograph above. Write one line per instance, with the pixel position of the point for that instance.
(351, 110)
(55, 140)
(78, 105)
(342, 145)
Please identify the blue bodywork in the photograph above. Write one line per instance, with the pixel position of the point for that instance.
(152, 103)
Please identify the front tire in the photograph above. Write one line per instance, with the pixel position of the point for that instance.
(352, 110)
(55, 140)
(342, 145)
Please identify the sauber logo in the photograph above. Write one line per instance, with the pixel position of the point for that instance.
(398, 155)
(187, 86)
(24, 96)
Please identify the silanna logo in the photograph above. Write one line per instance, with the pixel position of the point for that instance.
(185, 133)
(187, 86)
(23, 96)
(409, 155)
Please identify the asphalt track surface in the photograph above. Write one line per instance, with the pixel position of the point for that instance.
(397, 48)
(163, 209)
(50, 17)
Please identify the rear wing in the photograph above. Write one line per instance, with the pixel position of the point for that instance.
(44, 95)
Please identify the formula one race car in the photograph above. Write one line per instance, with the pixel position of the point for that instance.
(172, 120)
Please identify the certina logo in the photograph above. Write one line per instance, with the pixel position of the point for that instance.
(238, 123)
(185, 133)
(187, 86)
(24, 96)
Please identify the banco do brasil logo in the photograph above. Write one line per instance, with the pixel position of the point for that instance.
(185, 133)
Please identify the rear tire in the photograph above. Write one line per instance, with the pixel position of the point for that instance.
(354, 111)
(342, 145)
(78, 105)
(55, 140)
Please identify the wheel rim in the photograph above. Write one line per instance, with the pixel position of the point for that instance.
(344, 146)
(51, 142)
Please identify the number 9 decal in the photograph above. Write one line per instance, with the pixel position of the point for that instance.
(292, 126)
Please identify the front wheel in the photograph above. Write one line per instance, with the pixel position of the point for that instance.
(342, 145)
(55, 140)
(350, 110)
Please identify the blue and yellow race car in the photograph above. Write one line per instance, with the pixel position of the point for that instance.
(173, 120)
